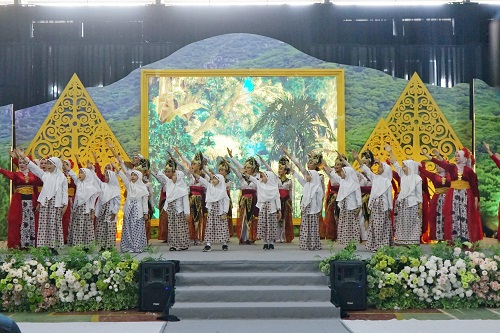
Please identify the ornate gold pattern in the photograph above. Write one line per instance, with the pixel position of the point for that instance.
(75, 126)
(381, 136)
(417, 122)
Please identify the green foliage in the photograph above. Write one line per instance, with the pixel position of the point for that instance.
(4, 198)
(347, 253)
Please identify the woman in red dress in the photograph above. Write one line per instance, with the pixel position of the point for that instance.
(461, 206)
(441, 182)
(21, 216)
(496, 158)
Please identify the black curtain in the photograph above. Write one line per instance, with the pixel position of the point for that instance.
(41, 47)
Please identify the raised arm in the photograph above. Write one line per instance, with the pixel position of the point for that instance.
(185, 161)
(297, 164)
(35, 169)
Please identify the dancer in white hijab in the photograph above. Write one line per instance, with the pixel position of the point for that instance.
(269, 204)
(107, 207)
(380, 204)
(177, 207)
(408, 210)
(349, 203)
(311, 204)
(217, 203)
(81, 227)
(135, 213)
(53, 200)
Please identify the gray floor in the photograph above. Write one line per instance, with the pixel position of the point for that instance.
(282, 251)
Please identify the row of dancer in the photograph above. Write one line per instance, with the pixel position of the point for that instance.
(61, 207)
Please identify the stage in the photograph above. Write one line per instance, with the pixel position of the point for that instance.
(236, 262)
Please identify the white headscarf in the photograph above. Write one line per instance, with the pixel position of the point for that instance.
(409, 181)
(111, 189)
(217, 193)
(52, 180)
(86, 189)
(268, 191)
(138, 189)
(311, 190)
(380, 183)
(349, 184)
(177, 190)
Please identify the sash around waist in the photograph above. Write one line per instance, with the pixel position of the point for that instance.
(460, 184)
(248, 192)
(25, 189)
(197, 190)
(441, 190)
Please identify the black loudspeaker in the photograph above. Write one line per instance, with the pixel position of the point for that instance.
(157, 285)
(348, 284)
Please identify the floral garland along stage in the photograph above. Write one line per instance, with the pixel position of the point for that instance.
(448, 277)
(36, 281)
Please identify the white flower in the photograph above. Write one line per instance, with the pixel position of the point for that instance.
(484, 273)
(473, 271)
(429, 280)
(468, 293)
(98, 298)
(18, 287)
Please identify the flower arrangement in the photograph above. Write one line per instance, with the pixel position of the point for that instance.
(36, 281)
(448, 277)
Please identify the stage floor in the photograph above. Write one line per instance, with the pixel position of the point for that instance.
(282, 251)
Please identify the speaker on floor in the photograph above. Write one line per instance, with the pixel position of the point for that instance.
(157, 285)
(348, 284)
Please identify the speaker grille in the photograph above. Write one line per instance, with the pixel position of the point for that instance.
(348, 283)
(156, 285)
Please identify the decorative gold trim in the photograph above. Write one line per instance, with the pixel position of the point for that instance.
(338, 73)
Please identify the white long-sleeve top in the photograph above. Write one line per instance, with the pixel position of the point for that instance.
(386, 196)
(317, 200)
(143, 204)
(90, 203)
(352, 199)
(415, 196)
(61, 195)
(274, 203)
(114, 203)
(182, 203)
(244, 185)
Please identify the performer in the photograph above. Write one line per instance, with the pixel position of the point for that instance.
(496, 158)
(461, 206)
(269, 204)
(196, 196)
(368, 159)
(311, 203)
(331, 205)
(21, 216)
(246, 225)
(176, 206)
(68, 165)
(169, 171)
(408, 214)
(441, 181)
(135, 212)
(217, 205)
(107, 207)
(224, 169)
(380, 204)
(81, 227)
(285, 186)
(53, 201)
(349, 201)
